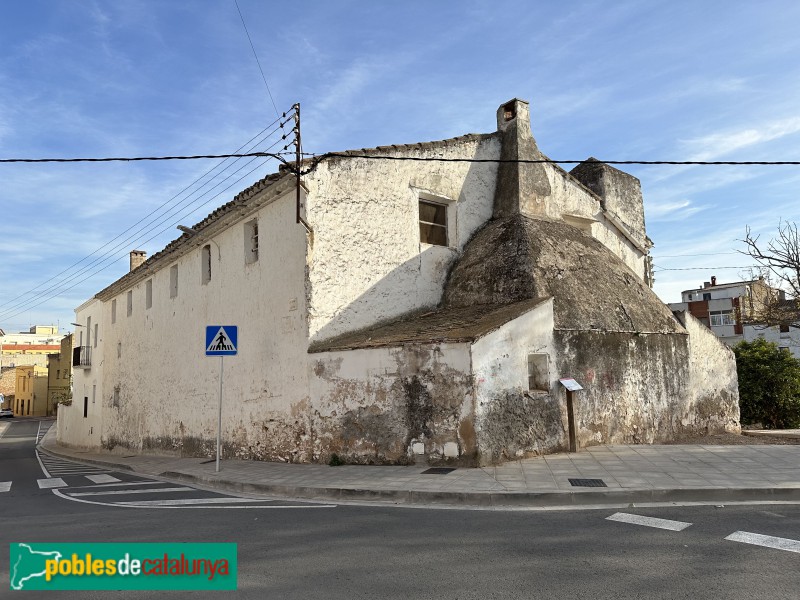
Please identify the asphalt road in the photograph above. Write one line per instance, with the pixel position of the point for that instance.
(302, 550)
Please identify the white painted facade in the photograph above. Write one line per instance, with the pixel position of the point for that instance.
(359, 263)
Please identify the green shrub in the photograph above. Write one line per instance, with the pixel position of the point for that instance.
(769, 385)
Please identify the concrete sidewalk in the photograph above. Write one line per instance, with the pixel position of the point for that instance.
(631, 474)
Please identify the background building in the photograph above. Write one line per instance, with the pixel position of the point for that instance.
(730, 310)
(31, 391)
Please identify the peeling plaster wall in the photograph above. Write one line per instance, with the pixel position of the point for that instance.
(168, 389)
(635, 386)
(714, 405)
(74, 429)
(389, 405)
(367, 264)
(510, 420)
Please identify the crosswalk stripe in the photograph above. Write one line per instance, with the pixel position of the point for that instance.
(5, 486)
(649, 521)
(51, 482)
(767, 541)
(149, 491)
(102, 478)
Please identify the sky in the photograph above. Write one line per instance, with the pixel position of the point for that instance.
(673, 80)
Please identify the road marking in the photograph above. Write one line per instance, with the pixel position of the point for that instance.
(51, 482)
(188, 501)
(145, 506)
(5, 486)
(649, 521)
(110, 492)
(102, 478)
(767, 541)
(121, 484)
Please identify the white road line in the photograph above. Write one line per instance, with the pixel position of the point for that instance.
(121, 484)
(102, 478)
(51, 482)
(5, 486)
(41, 465)
(110, 492)
(196, 501)
(767, 541)
(649, 521)
(209, 507)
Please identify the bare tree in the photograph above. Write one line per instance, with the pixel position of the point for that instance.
(776, 281)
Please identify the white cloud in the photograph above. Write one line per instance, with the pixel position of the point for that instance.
(715, 145)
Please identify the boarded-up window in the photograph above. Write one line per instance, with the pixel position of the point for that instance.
(251, 241)
(205, 264)
(148, 293)
(538, 373)
(173, 281)
(130, 303)
(432, 223)
(114, 311)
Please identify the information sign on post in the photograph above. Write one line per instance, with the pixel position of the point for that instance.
(571, 386)
(222, 341)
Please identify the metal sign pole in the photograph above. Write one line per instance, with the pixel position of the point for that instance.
(219, 412)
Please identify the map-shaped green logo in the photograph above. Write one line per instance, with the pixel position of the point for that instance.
(28, 564)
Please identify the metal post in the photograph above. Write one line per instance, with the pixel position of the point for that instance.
(219, 413)
(573, 438)
(297, 156)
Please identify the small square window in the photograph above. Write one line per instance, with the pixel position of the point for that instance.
(784, 329)
(538, 373)
(707, 296)
(432, 223)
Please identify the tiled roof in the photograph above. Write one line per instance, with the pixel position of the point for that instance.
(464, 324)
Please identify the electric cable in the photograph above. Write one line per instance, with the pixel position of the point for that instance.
(152, 217)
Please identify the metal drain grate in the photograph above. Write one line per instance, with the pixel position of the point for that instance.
(587, 483)
(438, 471)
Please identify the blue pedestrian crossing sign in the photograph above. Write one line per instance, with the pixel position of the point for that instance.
(222, 340)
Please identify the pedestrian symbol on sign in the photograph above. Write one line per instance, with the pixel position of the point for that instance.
(221, 340)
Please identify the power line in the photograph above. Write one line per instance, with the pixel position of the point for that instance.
(60, 291)
(153, 213)
(319, 158)
(153, 221)
(256, 55)
(152, 218)
(278, 156)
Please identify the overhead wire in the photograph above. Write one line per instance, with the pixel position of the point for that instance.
(59, 286)
(156, 210)
(60, 291)
(253, 48)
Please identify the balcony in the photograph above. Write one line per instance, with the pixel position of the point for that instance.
(82, 357)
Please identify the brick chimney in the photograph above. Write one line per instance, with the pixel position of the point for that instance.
(521, 188)
(137, 258)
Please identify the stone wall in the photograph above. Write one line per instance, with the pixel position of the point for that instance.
(393, 405)
(713, 406)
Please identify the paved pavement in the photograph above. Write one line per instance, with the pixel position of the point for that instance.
(630, 474)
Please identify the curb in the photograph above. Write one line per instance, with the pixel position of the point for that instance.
(564, 499)
(500, 499)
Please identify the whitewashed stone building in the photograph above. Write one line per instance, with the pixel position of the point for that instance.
(425, 312)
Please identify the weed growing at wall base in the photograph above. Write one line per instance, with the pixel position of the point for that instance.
(122, 566)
